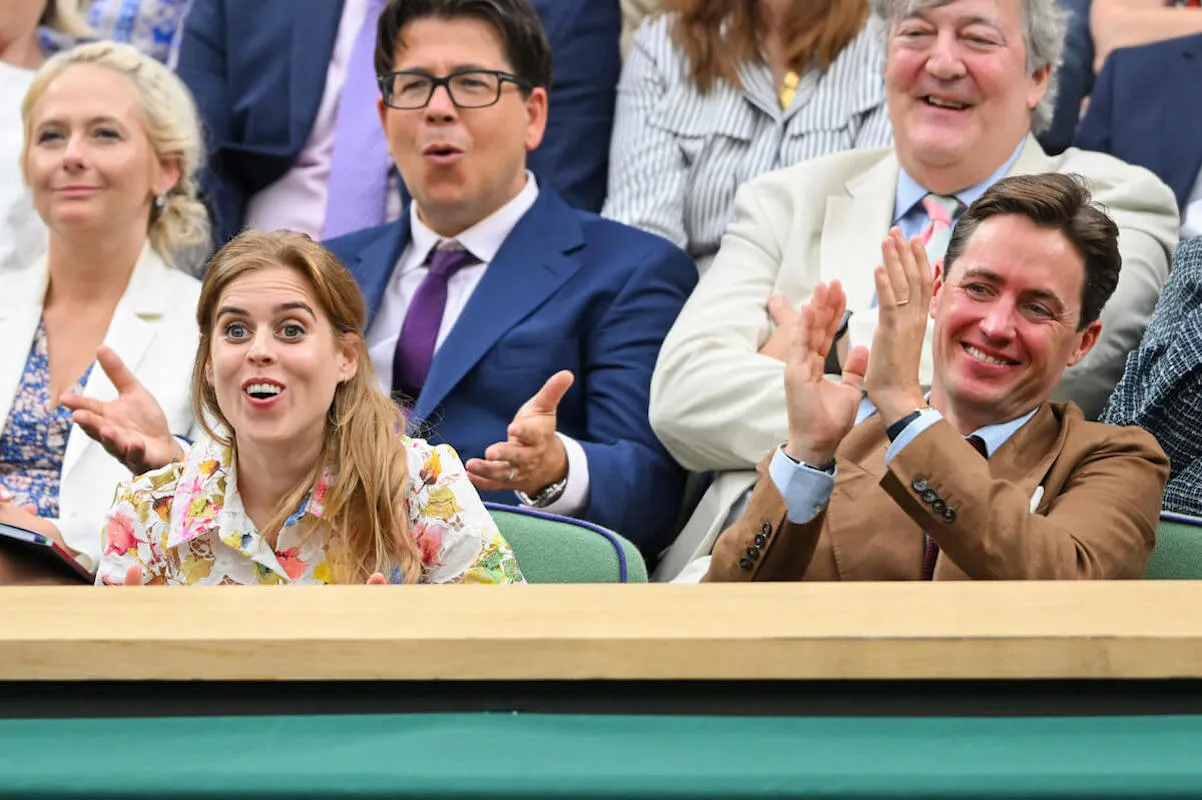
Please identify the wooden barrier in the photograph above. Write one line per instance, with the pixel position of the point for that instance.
(965, 630)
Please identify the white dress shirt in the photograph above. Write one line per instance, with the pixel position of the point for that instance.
(1191, 213)
(297, 201)
(482, 240)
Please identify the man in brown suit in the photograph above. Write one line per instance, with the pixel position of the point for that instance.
(988, 480)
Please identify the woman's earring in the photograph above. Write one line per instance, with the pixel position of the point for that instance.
(160, 200)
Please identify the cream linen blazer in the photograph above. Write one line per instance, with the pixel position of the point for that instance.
(154, 332)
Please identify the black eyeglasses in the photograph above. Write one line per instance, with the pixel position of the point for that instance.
(472, 88)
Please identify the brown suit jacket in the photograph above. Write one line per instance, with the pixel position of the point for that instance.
(1097, 517)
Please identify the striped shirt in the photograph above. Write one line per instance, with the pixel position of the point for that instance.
(677, 156)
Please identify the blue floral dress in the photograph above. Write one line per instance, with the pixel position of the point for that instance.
(34, 439)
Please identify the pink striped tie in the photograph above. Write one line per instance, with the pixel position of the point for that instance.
(943, 211)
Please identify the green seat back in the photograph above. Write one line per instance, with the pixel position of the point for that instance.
(554, 549)
(1178, 553)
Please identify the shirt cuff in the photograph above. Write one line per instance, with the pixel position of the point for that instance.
(806, 490)
(575, 491)
(926, 418)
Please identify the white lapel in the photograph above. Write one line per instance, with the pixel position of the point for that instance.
(131, 333)
(20, 312)
(853, 229)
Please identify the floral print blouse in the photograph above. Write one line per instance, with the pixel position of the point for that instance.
(34, 440)
(185, 524)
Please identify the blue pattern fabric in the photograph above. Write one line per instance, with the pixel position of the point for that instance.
(34, 439)
(1161, 389)
(152, 26)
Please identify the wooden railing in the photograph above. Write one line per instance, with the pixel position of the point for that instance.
(966, 630)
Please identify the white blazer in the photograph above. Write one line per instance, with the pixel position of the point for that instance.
(154, 332)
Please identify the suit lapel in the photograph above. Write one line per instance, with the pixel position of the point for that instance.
(852, 232)
(1027, 456)
(131, 333)
(374, 264)
(1032, 160)
(20, 313)
(530, 266)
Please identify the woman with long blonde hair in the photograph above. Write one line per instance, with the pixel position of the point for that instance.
(307, 476)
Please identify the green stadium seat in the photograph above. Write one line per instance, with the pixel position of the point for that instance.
(554, 549)
(1178, 553)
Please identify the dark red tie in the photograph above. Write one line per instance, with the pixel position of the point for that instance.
(931, 551)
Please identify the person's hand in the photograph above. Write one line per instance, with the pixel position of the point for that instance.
(15, 570)
(26, 516)
(1117, 23)
(132, 428)
(533, 457)
(821, 411)
(903, 288)
(784, 317)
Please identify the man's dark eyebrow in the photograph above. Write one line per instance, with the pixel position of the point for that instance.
(993, 277)
(456, 68)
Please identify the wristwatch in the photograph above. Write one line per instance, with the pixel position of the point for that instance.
(546, 495)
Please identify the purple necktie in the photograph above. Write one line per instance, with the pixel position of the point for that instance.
(419, 333)
(358, 186)
(931, 550)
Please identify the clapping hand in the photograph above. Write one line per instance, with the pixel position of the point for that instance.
(903, 287)
(532, 457)
(132, 428)
(821, 411)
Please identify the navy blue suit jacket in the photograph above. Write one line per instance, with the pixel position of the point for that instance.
(1144, 109)
(567, 290)
(1074, 78)
(258, 71)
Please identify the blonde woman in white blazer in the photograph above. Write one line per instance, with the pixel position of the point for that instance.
(112, 145)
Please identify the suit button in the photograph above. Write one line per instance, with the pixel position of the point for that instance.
(753, 552)
(761, 540)
(949, 515)
(919, 484)
(939, 506)
(929, 496)
(746, 564)
(766, 529)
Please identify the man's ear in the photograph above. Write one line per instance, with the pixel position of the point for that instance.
(1087, 339)
(536, 117)
(936, 287)
(1039, 86)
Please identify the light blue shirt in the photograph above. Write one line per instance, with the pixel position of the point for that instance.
(908, 212)
(807, 491)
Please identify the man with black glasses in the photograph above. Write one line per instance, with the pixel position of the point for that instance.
(515, 328)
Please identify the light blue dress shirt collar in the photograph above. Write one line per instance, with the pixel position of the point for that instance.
(910, 192)
(994, 435)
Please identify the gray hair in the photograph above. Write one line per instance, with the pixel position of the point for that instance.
(1044, 27)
